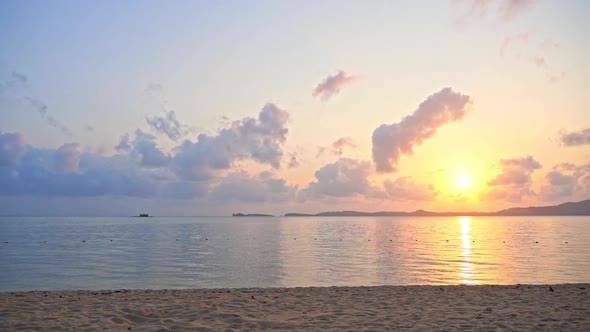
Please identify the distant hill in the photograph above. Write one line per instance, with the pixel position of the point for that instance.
(566, 209)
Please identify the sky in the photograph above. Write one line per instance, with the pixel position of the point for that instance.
(213, 107)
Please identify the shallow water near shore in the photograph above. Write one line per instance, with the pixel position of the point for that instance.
(38, 253)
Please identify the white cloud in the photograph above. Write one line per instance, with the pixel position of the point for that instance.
(344, 178)
(392, 141)
(258, 139)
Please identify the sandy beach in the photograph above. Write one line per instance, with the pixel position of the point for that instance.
(564, 307)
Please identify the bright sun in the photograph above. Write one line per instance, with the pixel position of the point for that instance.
(463, 181)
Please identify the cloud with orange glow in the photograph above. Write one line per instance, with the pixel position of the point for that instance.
(514, 182)
(391, 141)
(580, 137)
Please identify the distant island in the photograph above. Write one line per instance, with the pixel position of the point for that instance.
(566, 209)
(143, 215)
(251, 215)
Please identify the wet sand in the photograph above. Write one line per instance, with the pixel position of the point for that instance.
(420, 308)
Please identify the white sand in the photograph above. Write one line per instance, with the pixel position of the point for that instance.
(427, 308)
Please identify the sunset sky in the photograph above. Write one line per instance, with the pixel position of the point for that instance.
(209, 108)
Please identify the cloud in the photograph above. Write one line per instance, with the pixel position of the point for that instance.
(566, 181)
(12, 147)
(258, 139)
(150, 155)
(20, 83)
(154, 88)
(515, 171)
(240, 187)
(142, 170)
(506, 10)
(478, 8)
(143, 148)
(580, 137)
(538, 56)
(343, 178)
(556, 77)
(167, 125)
(66, 172)
(293, 160)
(42, 108)
(510, 9)
(539, 61)
(514, 182)
(340, 144)
(392, 141)
(332, 85)
(337, 147)
(405, 189)
(67, 158)
(521, 38)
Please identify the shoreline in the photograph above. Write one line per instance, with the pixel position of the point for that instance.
(425, 307)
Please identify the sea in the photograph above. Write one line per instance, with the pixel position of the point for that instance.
(68, 253)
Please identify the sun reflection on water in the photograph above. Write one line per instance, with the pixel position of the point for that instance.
(466, 272)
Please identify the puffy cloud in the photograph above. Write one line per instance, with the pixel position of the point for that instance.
(67, 158)
(343, 178)
(515, 171)
(404, 189)
(66, 172)
(240, 187)
(332, 85)
(142, 171)
(566, 181)
(581, 137)
(12, 147)
(150, 155)
(514, 182)
(392, 141)
(167, 125)
(258, 139)
(144, 148)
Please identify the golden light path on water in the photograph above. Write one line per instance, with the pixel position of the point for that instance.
(466, 270)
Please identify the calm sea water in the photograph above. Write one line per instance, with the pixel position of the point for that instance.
(107, 253)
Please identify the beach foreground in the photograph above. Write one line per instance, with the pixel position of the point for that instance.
(564, 307)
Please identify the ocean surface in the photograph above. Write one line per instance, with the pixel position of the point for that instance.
(208, 252)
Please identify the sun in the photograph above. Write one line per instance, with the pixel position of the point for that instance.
(463, 181)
